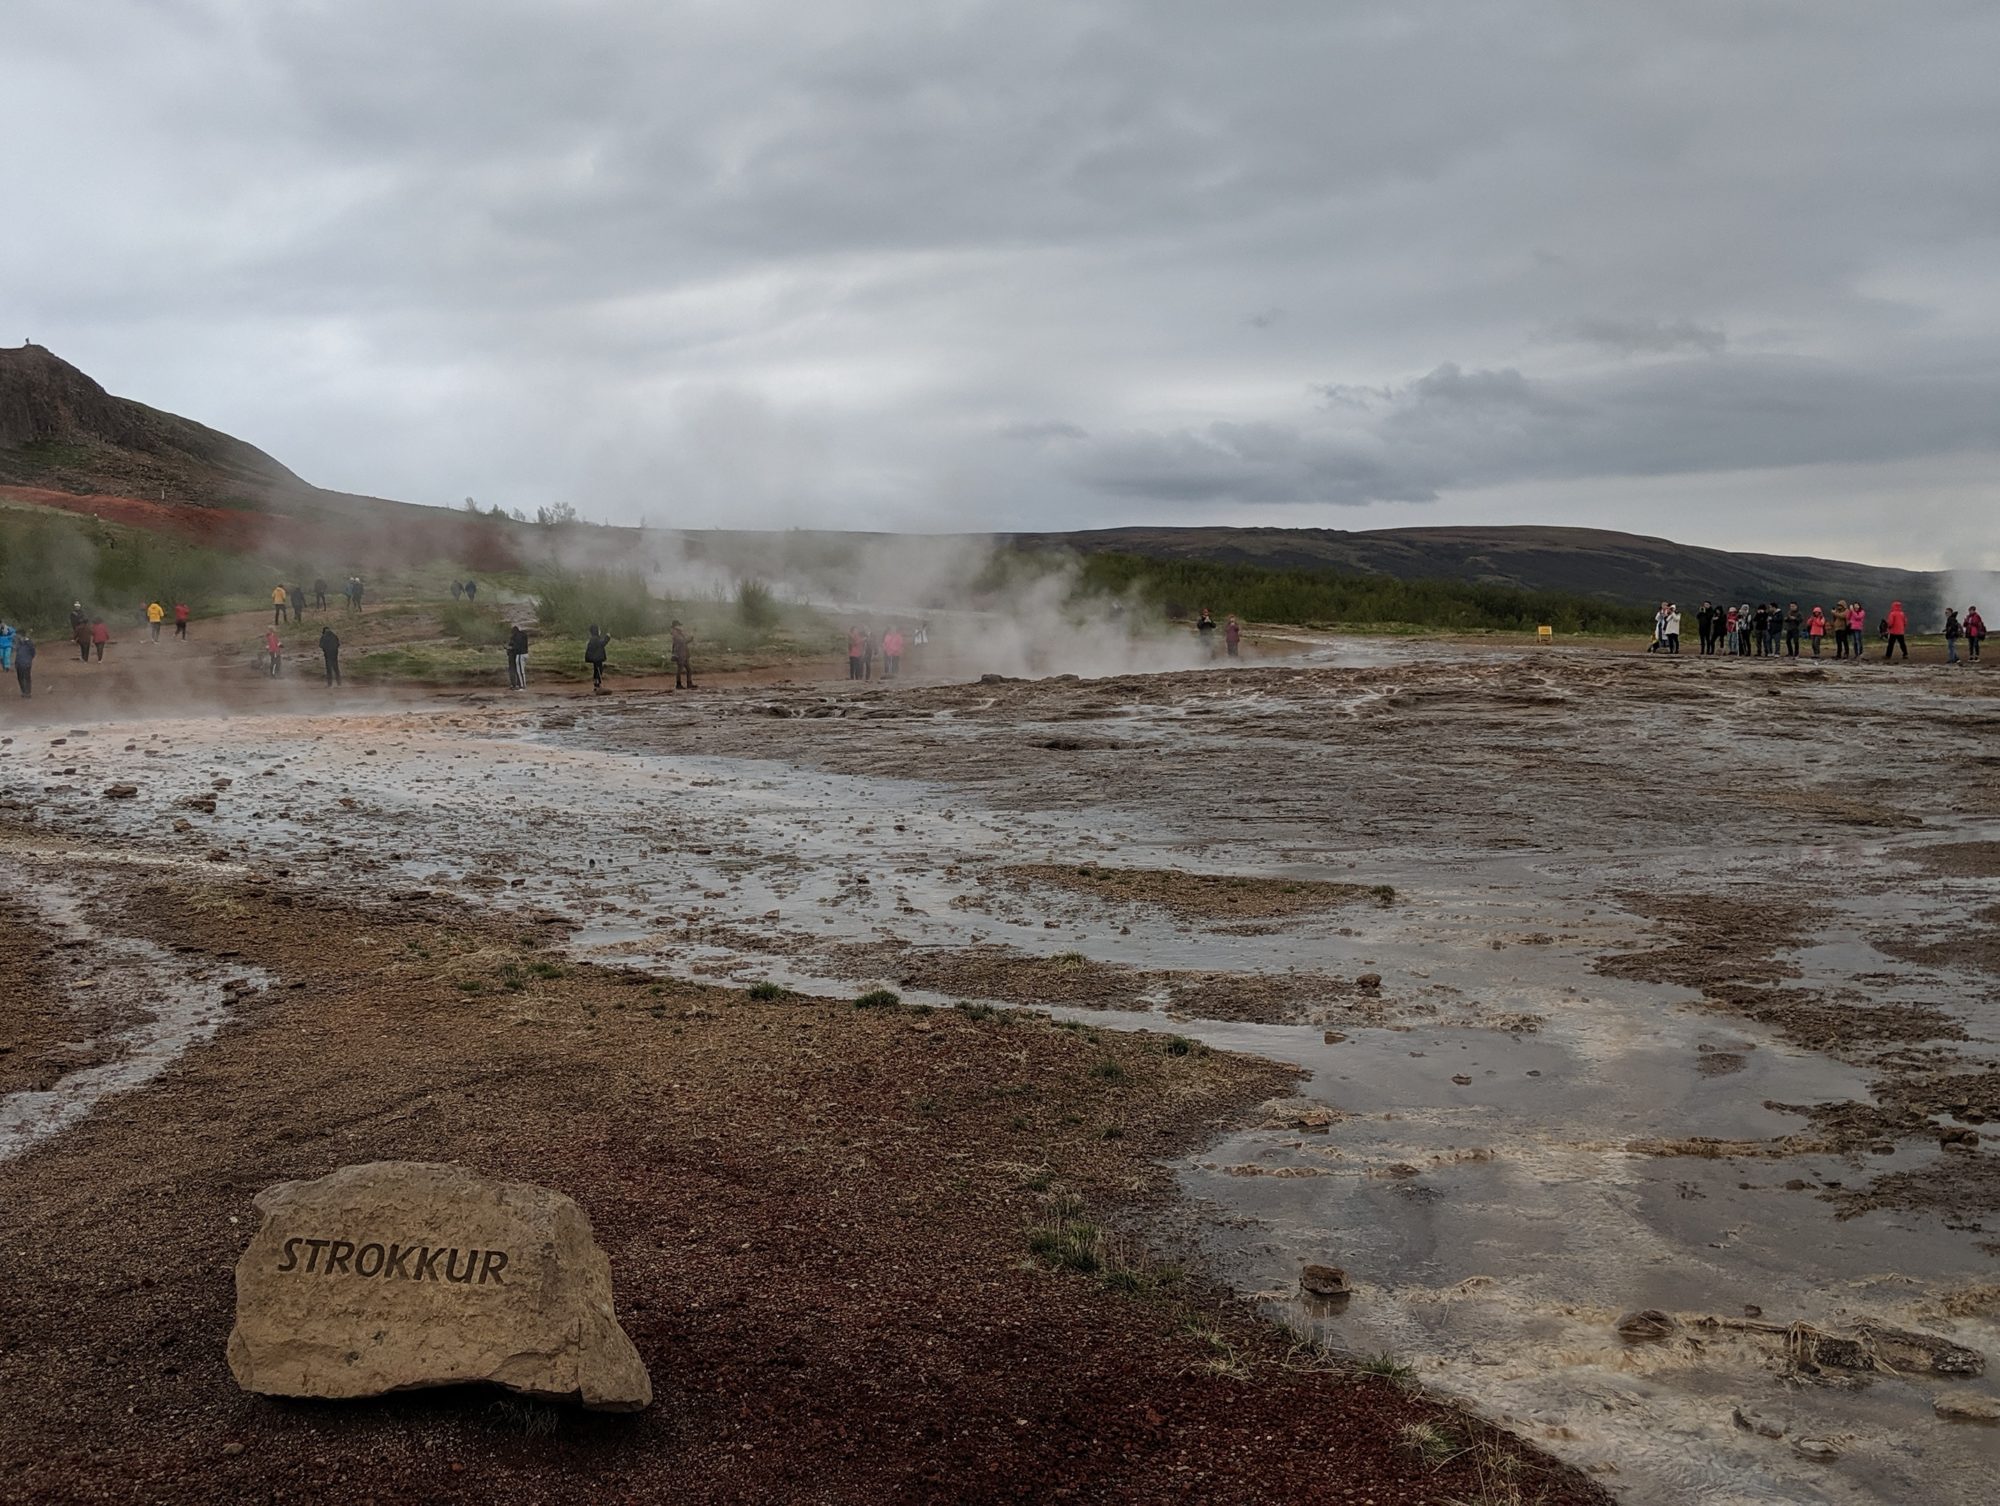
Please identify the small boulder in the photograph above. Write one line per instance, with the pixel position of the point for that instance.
(396, 1275)
(130, 791)
(1955, 1406)
(1646, 1326)
(1760, 1423)
(1325, 1281)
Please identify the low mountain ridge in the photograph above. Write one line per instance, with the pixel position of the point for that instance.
(1587, 561)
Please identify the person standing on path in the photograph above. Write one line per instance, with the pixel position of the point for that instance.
(1704, 622)
(1232, 636)
(329, 650)
(319, 592)
(683, 645)
(1673, 628)
(593, 655)
(472, 590)
(81, 633)
(100, 634)
(1898, 626)
(298, 603)
(1952, 632)
(1204, 632)
(1793, 622)
(155, 615)
(1816, 628)
(273, 652)
(1840, 628)
(517, 658)
(24, 662)
(892, 652)
(6, 646)
(277, 606)
(181, 620)
(868, 653)
(1857, 630)
(854, 653)
(1975, 630)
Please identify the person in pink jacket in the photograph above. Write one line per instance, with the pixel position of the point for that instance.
(1899, 626)
(1857, 629)
(1975, 629)
(892, 653)
(1816, 628)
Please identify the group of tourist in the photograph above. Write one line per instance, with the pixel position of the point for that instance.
(862, 645)
(1767, 630)
(1232, 634)
(88, 631)
(293, 599)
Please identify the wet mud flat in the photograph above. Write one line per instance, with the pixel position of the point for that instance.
(1622, 985)
(865, 1251)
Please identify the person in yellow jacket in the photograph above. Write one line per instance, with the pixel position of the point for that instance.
(155, 615)
(277, 605)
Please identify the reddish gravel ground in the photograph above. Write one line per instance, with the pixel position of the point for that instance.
(817, 1217)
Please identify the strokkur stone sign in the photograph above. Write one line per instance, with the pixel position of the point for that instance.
(401, 1274)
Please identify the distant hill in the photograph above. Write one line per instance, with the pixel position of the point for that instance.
(66, 443)
(1597, 562)
(61, 430)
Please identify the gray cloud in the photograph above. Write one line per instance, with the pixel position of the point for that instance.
(836, 264)
(1634, 336)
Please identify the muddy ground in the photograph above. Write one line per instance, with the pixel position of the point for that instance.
(1616, 983)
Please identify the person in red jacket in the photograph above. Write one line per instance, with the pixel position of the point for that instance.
(1899, 625)
(1816, 628)
(180, 619)
(1975, 629)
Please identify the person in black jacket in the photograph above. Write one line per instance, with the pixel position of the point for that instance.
(593, 655)
(329, 650)
(1705, 621)
(517, 658)
(24, 662)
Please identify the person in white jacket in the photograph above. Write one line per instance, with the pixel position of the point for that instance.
(1673, 626)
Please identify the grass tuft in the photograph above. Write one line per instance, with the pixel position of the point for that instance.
(878, 998)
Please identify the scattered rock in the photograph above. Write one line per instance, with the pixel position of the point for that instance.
(1960, 1407)
(128, 791)
(1300, 1113)
(1325, 1281)
(1334, 1037)
(1763, 1425)
(1815, 1448)
(231, 1450)
(1646, 1327)
(1369, 981)
(396, 1275)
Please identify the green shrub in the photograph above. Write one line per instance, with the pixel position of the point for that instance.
(756, 607)
(482, 627)
(568, 602)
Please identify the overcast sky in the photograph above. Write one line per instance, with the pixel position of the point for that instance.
(1722, 270)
